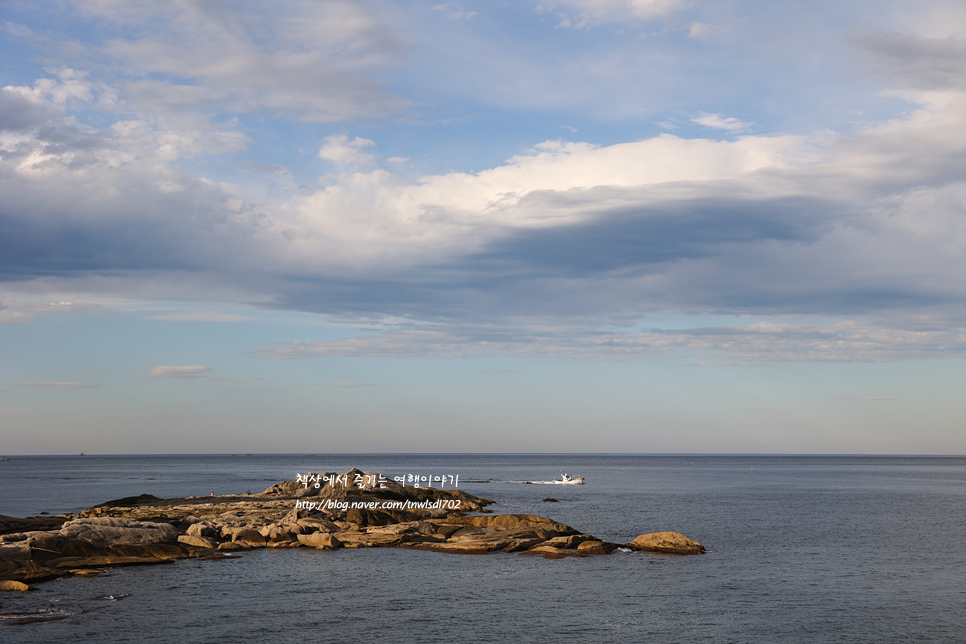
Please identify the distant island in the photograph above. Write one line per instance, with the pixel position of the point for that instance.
(323, 511)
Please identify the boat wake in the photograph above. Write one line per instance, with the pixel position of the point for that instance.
(565, 479)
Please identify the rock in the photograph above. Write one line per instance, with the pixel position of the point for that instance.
(550, 500)
(202, 530)
(10, 525)
(70, 563)
(365, 518)
(669, 542)
(464, 547)
(14, 586)
(275, 533)
(446, 531)
(232, 546)
(468, 531)
(248, 536)
(82, 572)
(119, 531)
(201, 542)
(520, 545)
(129, 501)
(514, 521)
(597, 547)
(317, 525)
(320, 541)
(550, 552)
(569, 542)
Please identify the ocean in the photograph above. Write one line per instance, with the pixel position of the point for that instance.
(800, 549)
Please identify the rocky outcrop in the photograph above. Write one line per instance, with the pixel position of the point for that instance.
(352, 510)
(119, 531)
(92, 543)
(669, 542)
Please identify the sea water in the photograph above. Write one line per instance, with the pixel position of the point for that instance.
(800, 549)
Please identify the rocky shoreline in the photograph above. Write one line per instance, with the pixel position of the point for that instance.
(322, 511)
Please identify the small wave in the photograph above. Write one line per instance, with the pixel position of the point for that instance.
(115, 598)
(33, 617)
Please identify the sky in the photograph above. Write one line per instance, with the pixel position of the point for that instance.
(605, 226)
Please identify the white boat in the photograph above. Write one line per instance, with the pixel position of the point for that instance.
(566, 479)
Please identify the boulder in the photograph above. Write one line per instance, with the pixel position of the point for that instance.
(201, 542)
(108, 530)
(248, 536)
(597, 547)
(320, 541)
(202, 530)
(14, 586)
(669, 542)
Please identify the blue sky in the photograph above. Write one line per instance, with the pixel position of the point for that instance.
(571, 226)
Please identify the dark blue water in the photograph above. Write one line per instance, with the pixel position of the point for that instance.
(801, 549)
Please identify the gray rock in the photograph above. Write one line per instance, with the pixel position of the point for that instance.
(119, 531)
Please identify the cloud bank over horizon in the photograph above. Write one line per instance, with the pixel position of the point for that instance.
(398, 173)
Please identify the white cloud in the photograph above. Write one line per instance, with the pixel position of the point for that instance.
(721, 123)
(23, 108)
(23, 311)
(865, 225)
(760, 343)
(587, 13)
(457, 14)
(309, 59)
(187, 372)
(341, 150)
